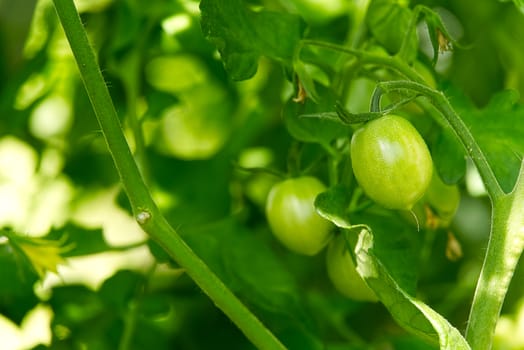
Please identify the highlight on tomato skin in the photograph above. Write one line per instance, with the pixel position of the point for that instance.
(292, 216)
(391, 162)
(343, 274)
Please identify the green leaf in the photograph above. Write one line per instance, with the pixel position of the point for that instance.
(408, 311)
(16, 290)
(498, 128)
(83, 241)
(242, 35)
(333, 205)
(312, 122)
(247, 264)
(306, 81)
(389, 21)
(120, 289)
(518, 3)
(396, 243)
(449, 157)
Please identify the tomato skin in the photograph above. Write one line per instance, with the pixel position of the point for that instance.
(391, 162)
(343, 274)
(443, 199)
(292, 216)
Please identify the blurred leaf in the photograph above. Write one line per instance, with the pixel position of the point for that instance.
(315, 122)
(16, 289)
(74, 304)
(305, 81)
(156, 306)
(499, 130)
(518, 3)
(248, 265)
(83, 241)
(121, 288)
(159, 253)
(80, 318)
(260, 276)
(409, 312)
(449, 157)
(384, 15)
(157, 102)
(242, 35)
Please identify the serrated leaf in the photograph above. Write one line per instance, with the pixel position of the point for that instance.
(449, 157)
(408, 311)
(498, 128)
(312, 122)
(242, 35)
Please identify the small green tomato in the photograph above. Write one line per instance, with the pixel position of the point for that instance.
(341, 271)
(391, 162)
(443, 199)
(292, 216)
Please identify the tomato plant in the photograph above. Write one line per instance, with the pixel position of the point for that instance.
(142, 152)
(293, 218)
(391, 162)
(342, 272)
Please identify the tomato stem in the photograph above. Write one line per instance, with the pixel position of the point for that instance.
(364, 57)
(504, 250)
(140, 198)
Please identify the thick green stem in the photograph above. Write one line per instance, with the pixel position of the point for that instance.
(506, 240)
(146, 212)
(504, 250)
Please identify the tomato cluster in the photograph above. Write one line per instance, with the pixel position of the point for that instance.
(393, 167)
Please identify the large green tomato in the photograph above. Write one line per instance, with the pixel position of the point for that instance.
(292, 216)
(391, 162)
(341, 271)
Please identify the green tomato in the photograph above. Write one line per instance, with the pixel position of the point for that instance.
(391, 162)
(443, 199)
(292, 216)
(341, 271)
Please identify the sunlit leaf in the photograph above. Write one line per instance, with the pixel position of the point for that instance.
(242, 35)
(499, 130)
(333, 205)
(408, 311)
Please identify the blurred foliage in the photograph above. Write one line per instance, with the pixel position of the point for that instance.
(174, 69)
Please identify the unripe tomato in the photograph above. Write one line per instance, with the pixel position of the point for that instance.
(391, 162)
(341, 271)
(292, 216)
(443, 199)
